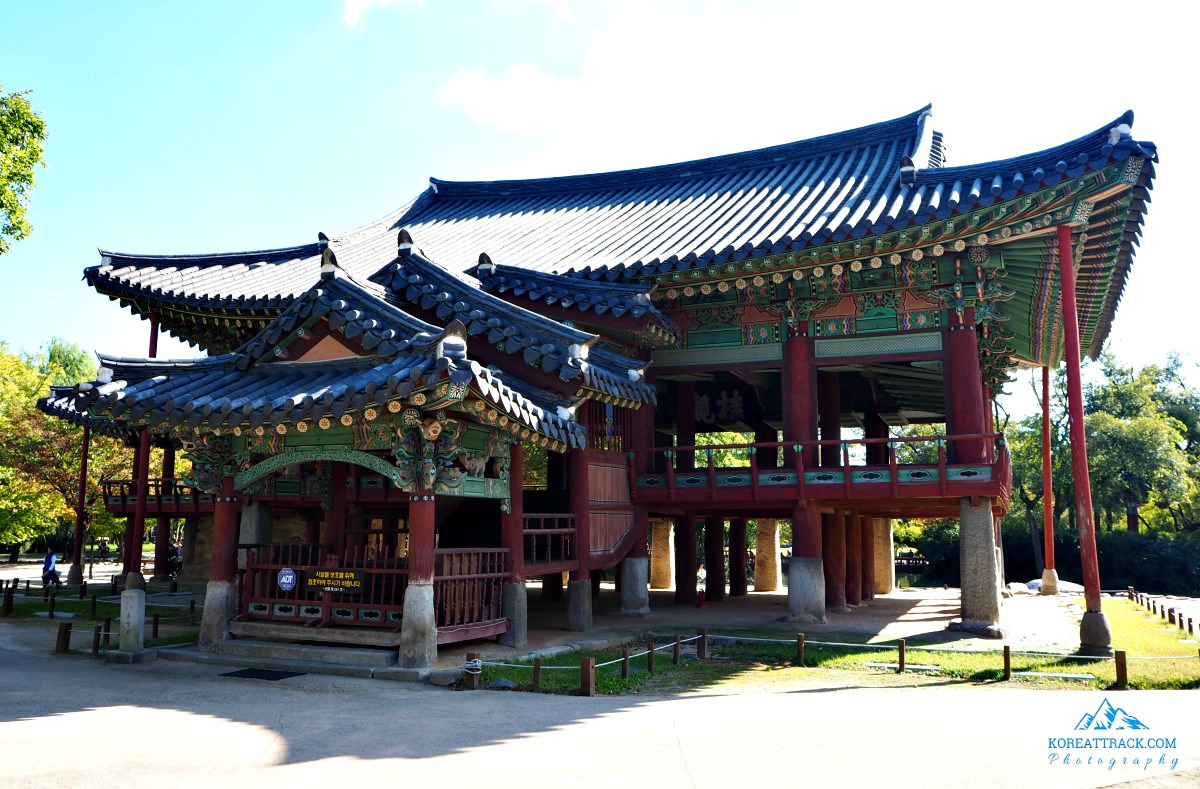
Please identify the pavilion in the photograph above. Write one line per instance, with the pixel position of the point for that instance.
(362, 424)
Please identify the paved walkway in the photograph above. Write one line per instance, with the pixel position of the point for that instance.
(78, 722)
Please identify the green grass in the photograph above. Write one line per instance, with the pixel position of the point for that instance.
(1156, 659)
(174, 625)
(561, 673)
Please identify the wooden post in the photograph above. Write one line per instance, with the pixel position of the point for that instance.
(1122, 671)
(1007, 662)
(50, 609)
(1047, 476)
(8, 599)
(702, 646)
(537, 674)
(107, 631)
(900, 661)
(63, 643)
(625, 661)
(95, 640)
(1097, 629)
(154, 626)
(92, 611)
(472, 678)
(191, 612)
(587, 676)
(650, 657)
(676, 652)
(800, 649)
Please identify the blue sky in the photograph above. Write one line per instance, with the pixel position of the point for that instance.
(216, 126)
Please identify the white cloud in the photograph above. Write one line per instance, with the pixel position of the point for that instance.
(524, 100)
(354, 10)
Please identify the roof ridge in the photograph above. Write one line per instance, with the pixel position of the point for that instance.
(909, 125)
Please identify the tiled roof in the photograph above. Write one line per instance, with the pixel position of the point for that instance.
(61, 404)
(250, 388)
(545, 344)
(601, 298)
(617, 226)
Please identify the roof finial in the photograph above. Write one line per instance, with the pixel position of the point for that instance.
(486, 266)
(329, 264)
(403, 240)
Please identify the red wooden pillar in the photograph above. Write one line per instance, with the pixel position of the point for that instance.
(1085, 517)
(685, 428)
(421, 532)
(162, 528)
(685, 560)
(141, 476)
(799, 402)
(642, 437)
(226, 508)
(867, 532)
(806, 530)
(833, 540)
(875, 428)
(581, 499)
(829, 404)
(714, 558)
(853, 558)
(334, 528)
(81, 521)
(964, 389)
(737, 557)
(1047, 474)
(512, 523)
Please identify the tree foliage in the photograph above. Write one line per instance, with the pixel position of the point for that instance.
(22, 132)
(40, 455)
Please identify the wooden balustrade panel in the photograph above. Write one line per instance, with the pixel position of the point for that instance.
(608, 479)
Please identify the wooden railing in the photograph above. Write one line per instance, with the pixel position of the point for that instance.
(550, 541)
(467, 588)
(913, 465)
(163, 494)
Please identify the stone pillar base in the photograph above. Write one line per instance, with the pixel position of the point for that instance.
(515, 606)
(662, 554)
(579, 604)
(133, 620)
(75, 574)
(806, 589)
(635, 591)
(1095, 636)
(979, 569)
(766, 555)
(418, 632)
(885, 555)
(220, 604)
(1049, 581)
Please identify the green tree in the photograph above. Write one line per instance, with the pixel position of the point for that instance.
(1133, 460)
(40, 455)
(22, 132)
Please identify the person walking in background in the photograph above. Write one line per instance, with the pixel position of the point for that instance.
(50, 575)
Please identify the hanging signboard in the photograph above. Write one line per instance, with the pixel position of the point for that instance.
(327, 580)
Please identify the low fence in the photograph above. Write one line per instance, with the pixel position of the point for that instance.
(98, 609)
(897, 654)
(1168, 608)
